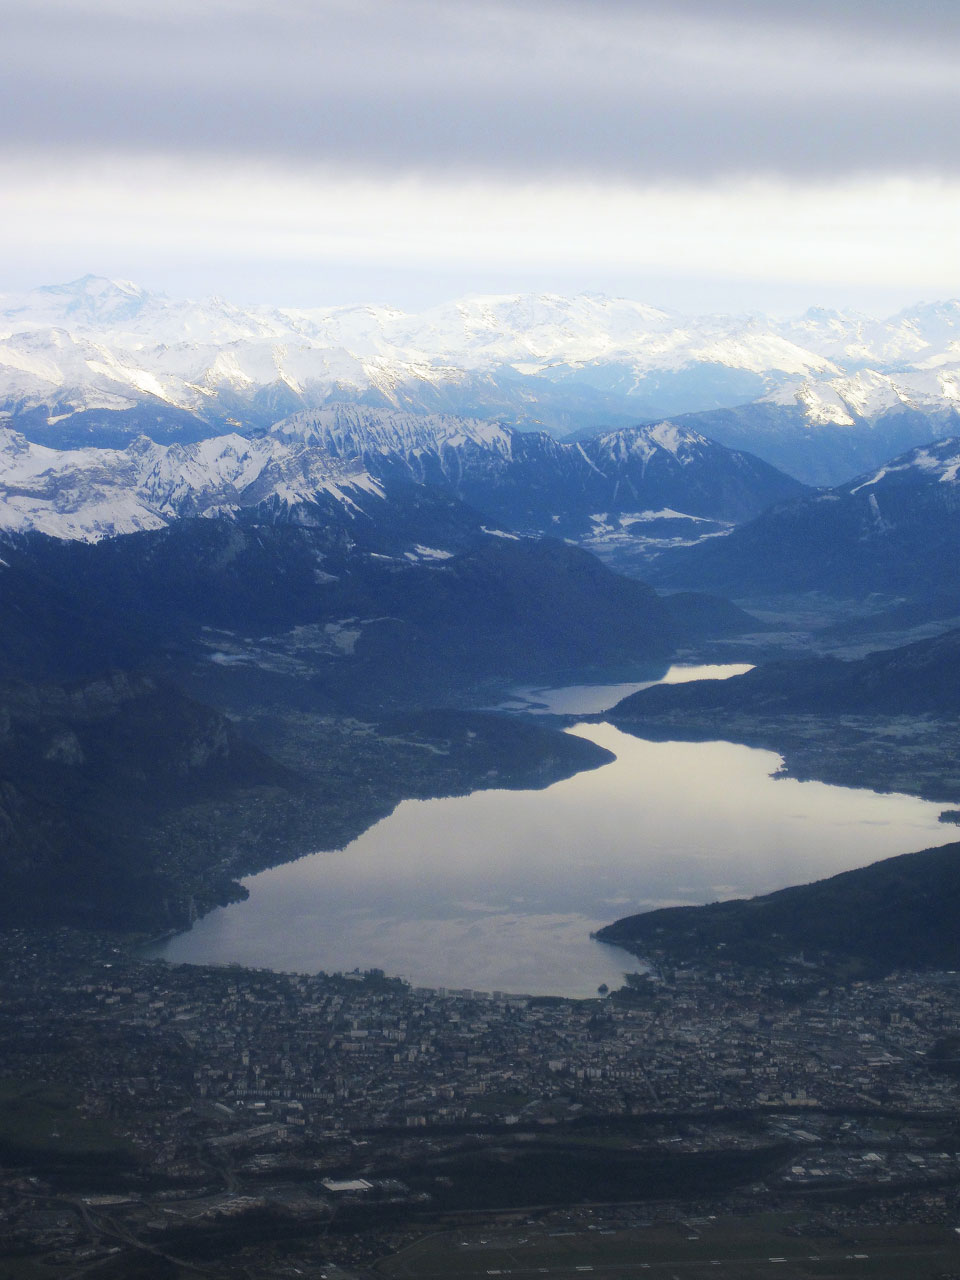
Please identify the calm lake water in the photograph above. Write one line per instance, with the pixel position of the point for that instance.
(500, 890)
(591, 699)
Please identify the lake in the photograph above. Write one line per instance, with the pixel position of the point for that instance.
(591, 699)
(499, 890)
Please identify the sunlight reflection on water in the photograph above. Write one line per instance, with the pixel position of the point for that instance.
(500, 889)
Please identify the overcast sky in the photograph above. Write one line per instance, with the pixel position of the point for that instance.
(706, 155)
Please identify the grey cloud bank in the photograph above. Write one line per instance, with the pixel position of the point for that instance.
(626, 91)
(703, 154)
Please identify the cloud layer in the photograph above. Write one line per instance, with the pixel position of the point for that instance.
(620, 90)
(752, 140)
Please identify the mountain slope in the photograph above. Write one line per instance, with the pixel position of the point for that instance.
(85, 772)
(92, 493)
(825, 432)
(896, 530)
(529, 481)
(247, 610)
(897, 914)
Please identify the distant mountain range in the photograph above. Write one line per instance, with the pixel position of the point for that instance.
(97, 362)
(365, 470)
(895, 530)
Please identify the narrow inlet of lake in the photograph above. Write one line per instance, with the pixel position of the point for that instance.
(499, 890)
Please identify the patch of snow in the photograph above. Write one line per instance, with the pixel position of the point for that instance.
(432, 553)
(875, 479)
(666, 513)
(343, 636)
(669, 437)
(879, 523)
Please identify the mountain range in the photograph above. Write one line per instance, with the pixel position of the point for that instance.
(215, 518)
(821, 396)
(355, 467)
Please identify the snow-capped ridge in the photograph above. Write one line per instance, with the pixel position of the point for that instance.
(350, 455)
(94, 493)
(938, 463)
(96, 360)
(178, 344)
(348, 430)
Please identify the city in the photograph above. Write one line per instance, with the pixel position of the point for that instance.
(218, 1118)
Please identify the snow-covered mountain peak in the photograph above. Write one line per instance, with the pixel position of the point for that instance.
(933, 324)
(348, 430)
(95, 292)
(90, 302)
(671, 443)
(672, 438)
(120, 312)
(109, 358)
(868, 394)
(93, 493)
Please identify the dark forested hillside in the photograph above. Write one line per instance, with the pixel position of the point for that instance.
(899, 913)
(262, 605)
(919, 678)
(895, 531)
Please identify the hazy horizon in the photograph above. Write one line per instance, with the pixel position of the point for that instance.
(346, 293)
(702, 157)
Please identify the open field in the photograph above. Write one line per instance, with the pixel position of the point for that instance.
(722, 1249)
(44, 1118)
